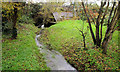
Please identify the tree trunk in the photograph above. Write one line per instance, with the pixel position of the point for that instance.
(14, 31)
(98, 23)
(84, 41)
(105, 43)
(110, 29)
(104, 46)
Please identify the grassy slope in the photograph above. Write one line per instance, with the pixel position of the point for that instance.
(22, 53)
(65, 38)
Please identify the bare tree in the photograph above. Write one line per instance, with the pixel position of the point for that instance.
(83, 34)
(111, 24)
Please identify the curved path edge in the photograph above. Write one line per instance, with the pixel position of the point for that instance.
(54, 60)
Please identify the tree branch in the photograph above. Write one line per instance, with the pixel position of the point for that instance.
(79, 30)
(114, 19)
(103, 21)
(115, 29)
(93, 37)
(111, 13)
(91, 16)
(100, 12)
(83, 35)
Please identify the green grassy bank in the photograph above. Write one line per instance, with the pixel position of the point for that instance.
(66, 38)
(22, 53)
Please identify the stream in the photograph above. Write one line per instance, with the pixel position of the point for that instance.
(53, 59)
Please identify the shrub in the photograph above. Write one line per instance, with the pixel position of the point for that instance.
(26, 19)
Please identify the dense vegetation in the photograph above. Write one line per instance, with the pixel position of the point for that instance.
(89, 41)
(22, 53)
(66, 38)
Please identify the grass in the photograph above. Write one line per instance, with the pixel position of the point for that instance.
(22, 53)
(65, 37)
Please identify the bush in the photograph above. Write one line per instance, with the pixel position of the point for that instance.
(8, 25)
(26, 19)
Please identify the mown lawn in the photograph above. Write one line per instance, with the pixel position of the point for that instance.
(22, 53)
(65, 37)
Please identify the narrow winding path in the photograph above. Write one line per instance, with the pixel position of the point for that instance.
(54, 60)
